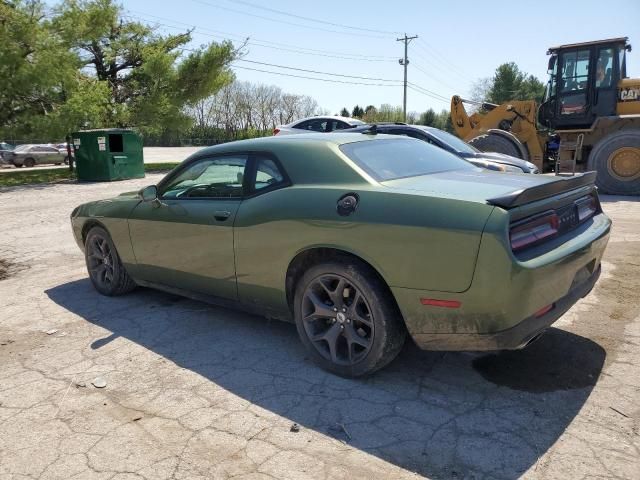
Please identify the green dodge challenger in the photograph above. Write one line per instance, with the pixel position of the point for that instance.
(359, 240)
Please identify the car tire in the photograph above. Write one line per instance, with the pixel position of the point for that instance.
(66, 160)
(29, 162)
(106, 271)
(18, 165)
(490, 142)
(353, 331)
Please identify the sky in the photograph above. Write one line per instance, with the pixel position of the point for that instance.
(458, 42)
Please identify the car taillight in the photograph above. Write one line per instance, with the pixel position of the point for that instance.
(532, 231)
(587, 207)
(276, 131)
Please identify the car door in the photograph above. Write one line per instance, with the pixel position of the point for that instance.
(49, 155)
(36, 153)
(185, 238)
(257, 230)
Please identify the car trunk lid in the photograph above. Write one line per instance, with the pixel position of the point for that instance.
(500, 189)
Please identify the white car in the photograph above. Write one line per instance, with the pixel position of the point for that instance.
(317, 124)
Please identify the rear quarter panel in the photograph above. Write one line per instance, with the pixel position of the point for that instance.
(413, 241)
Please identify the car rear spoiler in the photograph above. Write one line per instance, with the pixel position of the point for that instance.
(528, 195)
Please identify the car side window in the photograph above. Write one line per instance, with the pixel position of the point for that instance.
(318, 125)
(267, 174)
(220, 177)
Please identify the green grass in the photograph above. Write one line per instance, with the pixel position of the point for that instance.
(159, 167)
(57, 175)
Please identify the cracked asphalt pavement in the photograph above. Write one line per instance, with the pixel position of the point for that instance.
(197, 391)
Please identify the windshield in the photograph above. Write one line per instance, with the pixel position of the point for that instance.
(389, 159)
(22, 148)
(454, 142)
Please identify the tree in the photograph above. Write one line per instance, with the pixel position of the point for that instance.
(358, 112)
(149, 81)
(246, 110)
(427, 118)
(344, 112)
(510, 83)
(37, 72)
(86, 65)
(531, 88)
(480, 89)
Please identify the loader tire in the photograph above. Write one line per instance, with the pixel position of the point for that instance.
(616, 158)
(495, 143)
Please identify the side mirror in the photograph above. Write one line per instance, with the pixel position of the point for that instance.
(149, 194)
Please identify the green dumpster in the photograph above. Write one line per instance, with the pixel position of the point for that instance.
(108, 154)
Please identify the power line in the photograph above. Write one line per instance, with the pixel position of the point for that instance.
(265, 43)
(318, 72)
(309, 19)
(434, 54)
(315, 78)
(368, 80)
(428, 92)
(428, 95)
(431, 75)
(286, 22)
(429, 60)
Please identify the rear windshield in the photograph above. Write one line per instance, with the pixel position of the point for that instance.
(403, 157)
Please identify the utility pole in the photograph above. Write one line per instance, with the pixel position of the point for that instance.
(405, 62)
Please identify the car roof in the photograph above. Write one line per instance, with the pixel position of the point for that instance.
(267, 143)
(397, 125)
(328, 117)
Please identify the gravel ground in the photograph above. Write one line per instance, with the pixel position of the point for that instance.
(196, 391)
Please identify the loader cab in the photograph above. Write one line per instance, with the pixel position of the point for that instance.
(583, 80)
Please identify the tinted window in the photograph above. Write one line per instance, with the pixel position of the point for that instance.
(267, 174)
(575, 70)
(604, 68)
(220, 177)
(397, 158)
(318, 125)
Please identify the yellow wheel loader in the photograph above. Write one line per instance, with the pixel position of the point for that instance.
(589, 118)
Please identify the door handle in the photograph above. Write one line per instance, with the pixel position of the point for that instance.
(221, 215)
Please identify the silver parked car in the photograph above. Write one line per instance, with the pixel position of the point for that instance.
(317, 124)
(31, 155)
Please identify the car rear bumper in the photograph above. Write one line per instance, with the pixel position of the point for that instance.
(501, 309)
(518, 336)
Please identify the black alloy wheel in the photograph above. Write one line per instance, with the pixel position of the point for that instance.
(337, 320)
